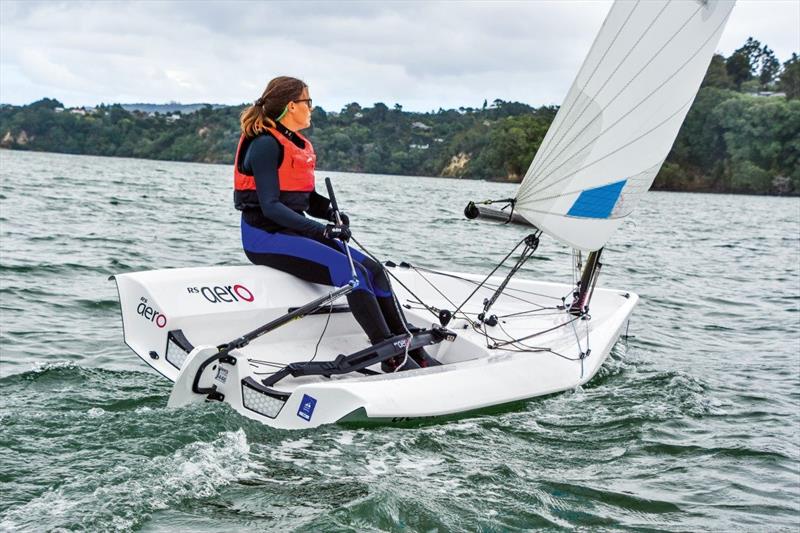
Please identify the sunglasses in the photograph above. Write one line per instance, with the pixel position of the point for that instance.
(307, 101)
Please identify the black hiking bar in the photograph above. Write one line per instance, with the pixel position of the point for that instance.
(358, 361)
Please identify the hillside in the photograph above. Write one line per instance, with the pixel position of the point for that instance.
(739, 136)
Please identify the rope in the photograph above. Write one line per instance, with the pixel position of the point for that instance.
(491, 286)
(419, 300)
(283, 365)
(489, 276)
(510, 344)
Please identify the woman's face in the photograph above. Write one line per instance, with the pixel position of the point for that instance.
(298, 116)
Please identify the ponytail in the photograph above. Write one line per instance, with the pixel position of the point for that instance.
(271, 106)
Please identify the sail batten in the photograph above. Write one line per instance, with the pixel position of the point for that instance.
(621, 91)
(620, 118)
(570, 105)
(538, 192)
(632, 110)
(547, 158)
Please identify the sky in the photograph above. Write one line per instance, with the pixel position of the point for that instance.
(422, 55)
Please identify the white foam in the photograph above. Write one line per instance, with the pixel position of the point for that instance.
(132, 491)
(43, 366)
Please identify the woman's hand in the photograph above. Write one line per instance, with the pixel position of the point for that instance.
(343, 216)
(333, 231)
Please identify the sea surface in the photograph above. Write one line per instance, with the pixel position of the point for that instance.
(692, 424)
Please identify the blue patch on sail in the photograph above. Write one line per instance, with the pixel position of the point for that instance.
(598, 202)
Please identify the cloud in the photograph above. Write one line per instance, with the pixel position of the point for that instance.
(423, 55)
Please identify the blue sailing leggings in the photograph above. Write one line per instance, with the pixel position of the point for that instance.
(316, 260)
(324, 261)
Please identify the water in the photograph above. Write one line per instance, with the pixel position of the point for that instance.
(692, 424)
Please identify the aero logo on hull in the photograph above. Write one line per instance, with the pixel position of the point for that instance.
(224, 293)
(151, 314)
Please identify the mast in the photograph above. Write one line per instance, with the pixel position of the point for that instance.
(585, 289)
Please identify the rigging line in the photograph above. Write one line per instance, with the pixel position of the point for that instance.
(464, 313)
(543, 331)
(570, 293)
(577, 337)
(527, 253)
(434, 286)
(414, 305)
(364, 249)
(490, 286)
(489, 276)
(530, 191)
(411, 306)
(510, 341)
(324, 329)
(588, 348)
(581, 353)
(545, 169)
(546, 156)
(576, 267)
(535, 312)
(536, 349)
(510, 337)
(519, 347)
(429, 308)
(525, 346)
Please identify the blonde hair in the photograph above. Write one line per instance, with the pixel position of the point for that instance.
(265, 111)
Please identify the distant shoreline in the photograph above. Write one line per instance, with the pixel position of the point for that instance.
(319, 171)
(739, 136)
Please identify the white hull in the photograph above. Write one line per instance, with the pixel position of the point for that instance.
(212, 306)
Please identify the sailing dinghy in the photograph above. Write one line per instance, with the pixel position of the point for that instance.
(289, 354)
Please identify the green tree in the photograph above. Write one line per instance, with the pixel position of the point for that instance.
(739, 69)
(790, 77)
(743, 64)
(769, 68)
(46, 103)
(717, 74)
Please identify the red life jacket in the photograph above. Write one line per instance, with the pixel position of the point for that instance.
(295, 172)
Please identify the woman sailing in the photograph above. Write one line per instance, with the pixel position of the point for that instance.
(274, 190)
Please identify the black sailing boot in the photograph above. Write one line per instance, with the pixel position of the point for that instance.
(368, 314)
(397, 324)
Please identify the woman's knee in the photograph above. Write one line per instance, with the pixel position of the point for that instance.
(378, 277)
(364, 278)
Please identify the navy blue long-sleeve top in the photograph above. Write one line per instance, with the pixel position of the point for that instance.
(261, 160)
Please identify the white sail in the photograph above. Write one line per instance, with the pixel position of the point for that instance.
(620, 118)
